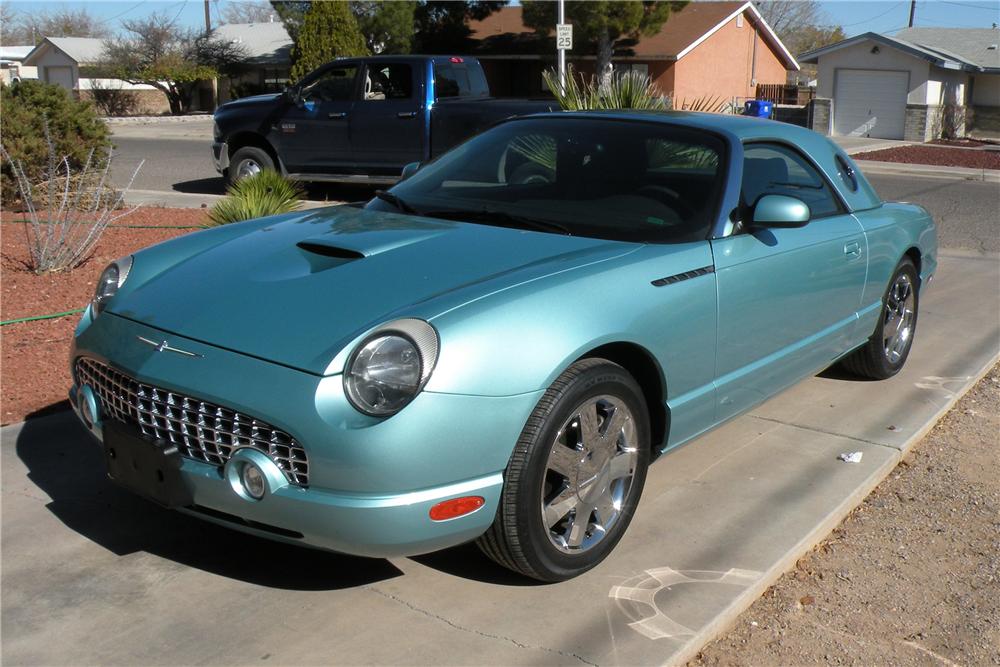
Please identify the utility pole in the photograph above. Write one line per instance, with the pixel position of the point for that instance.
(562, 52)
(208, 34)
(913, 10)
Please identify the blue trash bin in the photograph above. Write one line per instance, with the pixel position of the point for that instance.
(757, 108)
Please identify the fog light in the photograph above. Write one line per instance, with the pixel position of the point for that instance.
(88, 406)
(253, 481)
(456, 507)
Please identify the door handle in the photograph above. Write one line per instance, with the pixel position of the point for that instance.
(852, 249)
(406, 114)
(336, 115)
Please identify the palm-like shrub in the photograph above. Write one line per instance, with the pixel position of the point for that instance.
(629, 90)
(265, 193)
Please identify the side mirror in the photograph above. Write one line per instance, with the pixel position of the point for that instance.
(780, 211)
(409, 170)
(293, 96)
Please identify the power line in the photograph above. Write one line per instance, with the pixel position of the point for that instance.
(995, 8)
(891, 9)
(116, 16)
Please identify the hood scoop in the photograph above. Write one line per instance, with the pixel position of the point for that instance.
(326, 249)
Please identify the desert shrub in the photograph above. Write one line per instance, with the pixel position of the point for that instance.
(113, 101)
(265, 193)
(76, 132)
(67, 212)
(629, 90)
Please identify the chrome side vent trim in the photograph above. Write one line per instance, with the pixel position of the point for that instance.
(687, 275)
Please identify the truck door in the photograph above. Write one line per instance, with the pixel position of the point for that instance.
(387, 124)
(314, 134)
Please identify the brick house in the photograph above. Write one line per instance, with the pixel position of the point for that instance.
(715, 49)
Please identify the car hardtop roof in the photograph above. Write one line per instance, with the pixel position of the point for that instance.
(743, 127)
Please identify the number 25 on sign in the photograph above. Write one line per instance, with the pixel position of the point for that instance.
(564, 36)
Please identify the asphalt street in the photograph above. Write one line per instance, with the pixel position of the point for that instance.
(965, 210)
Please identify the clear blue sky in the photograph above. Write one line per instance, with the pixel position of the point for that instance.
(855, 17)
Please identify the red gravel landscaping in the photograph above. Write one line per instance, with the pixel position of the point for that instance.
(935, 155)
(35, 371)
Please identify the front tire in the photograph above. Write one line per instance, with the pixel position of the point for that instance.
(886, 351)
(575, 477)
(248, 161)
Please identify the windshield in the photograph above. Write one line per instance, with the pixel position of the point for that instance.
(595, 177)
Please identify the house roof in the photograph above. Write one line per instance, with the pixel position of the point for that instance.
(686, 29)
(971, 45)
(84, 50)
(265, 43)
(932, 45)
(16, 53)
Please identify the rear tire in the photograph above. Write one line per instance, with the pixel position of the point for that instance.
(886, 351)
(248, 161)
(575, 477)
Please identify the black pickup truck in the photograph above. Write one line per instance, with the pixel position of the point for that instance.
(361, 119)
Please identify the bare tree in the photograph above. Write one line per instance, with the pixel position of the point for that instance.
(787, 16)
(31, 28)
(248, 11)
(157, 52)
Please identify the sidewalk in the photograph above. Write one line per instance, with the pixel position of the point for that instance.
(719, 521)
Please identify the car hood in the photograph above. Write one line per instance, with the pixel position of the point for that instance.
(252, 101)
(297, 291)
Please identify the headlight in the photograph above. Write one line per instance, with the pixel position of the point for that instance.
(111, 279)
(390, 367)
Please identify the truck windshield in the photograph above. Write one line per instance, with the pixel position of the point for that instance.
(596, 177)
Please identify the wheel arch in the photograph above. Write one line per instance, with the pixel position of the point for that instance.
(242, 139)
(642, 366)
(913, 253)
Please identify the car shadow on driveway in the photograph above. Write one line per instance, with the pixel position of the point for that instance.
(202, 186)
(66, 464)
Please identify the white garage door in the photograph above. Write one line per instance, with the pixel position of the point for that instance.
(869, 103)
(61, 76)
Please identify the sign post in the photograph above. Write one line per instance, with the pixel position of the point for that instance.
(564, 42)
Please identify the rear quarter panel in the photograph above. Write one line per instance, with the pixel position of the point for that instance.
(892, 229)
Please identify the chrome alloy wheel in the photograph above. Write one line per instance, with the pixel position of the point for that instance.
(248, 167)
(589, 474)
(900, 313)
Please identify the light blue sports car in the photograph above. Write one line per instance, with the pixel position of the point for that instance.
(496, 348)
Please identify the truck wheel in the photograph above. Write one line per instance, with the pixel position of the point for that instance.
(248, 161)
(575, 476)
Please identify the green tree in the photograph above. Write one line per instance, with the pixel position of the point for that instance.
(601, 25)
(292, 13)
(329, 31)
(74, 128)
(155, 51)
(442, 26)
(386, 26)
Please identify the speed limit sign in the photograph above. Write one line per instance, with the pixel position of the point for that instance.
(564, 36)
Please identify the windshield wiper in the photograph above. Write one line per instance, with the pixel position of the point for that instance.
(503, 217)
(387, 196)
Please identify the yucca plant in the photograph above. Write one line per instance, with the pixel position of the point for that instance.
(629, 90)
(265, 193)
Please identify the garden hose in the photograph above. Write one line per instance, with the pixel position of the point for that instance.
(43, 317)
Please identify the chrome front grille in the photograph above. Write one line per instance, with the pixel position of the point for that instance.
(201, 430)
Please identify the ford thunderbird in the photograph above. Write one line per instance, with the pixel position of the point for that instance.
(496, 348)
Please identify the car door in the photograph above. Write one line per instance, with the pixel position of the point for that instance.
(387, 128)
(788, 297)
(314, 133)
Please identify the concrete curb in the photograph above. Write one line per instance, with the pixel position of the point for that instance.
(728, 616)
(929, 171)
(156, 120)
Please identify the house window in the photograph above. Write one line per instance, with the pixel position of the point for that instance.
(739, 21)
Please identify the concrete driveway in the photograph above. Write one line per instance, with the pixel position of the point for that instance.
(94, 575)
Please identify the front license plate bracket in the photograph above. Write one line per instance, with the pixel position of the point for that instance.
(149, 468)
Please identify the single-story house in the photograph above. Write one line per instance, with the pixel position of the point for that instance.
(707, 49)
(912, 85)
(268, 48)
(12, 67)
(59, 61)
